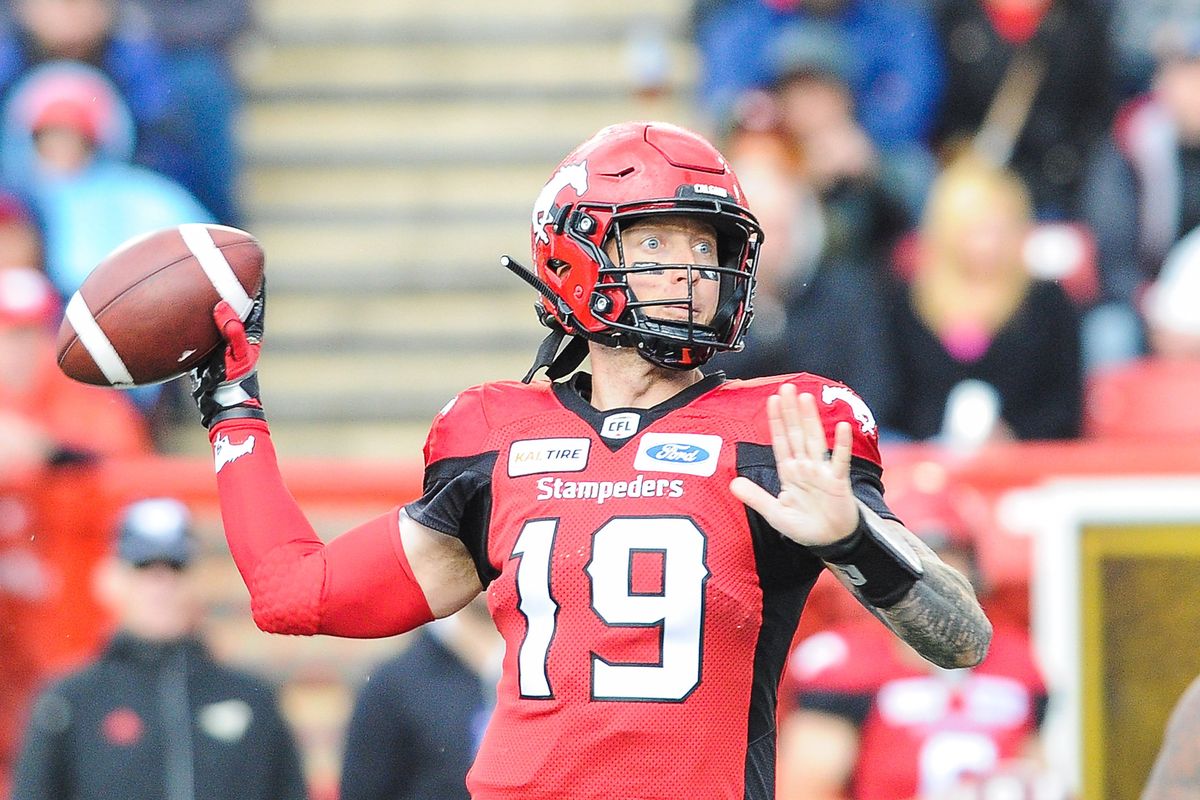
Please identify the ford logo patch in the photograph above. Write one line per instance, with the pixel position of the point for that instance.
(678, 453)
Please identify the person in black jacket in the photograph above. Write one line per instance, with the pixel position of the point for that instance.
(984, 351)
(419, 717)
(155, 717)
(1057, 56)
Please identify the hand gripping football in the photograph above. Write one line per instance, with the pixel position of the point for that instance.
(144, 314)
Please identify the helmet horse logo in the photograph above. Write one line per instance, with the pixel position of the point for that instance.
(573, 175)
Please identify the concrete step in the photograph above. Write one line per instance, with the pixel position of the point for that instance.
(358, 256)
(333, 64)
(382, 386)
(398, 319)
(428, 188)
(365, 376)
(457, 13)
(390, 155)
(439, 125)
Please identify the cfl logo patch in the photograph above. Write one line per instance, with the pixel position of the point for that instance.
(620, 426)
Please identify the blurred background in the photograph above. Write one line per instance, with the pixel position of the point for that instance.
(980, 214)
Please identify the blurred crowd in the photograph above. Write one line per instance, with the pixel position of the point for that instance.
(116, 118)
(982, 215)
(1003, 189)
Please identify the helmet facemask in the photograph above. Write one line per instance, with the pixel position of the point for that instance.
(677, 343)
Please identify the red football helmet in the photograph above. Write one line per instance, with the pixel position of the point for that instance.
(626, 173)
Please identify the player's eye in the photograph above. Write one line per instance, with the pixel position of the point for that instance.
(651, 243)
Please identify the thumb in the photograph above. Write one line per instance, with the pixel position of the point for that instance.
(232, 330)
(753, 495)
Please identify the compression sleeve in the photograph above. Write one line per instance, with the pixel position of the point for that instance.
(359, 585)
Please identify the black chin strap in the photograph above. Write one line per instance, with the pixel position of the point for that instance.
(558, 364)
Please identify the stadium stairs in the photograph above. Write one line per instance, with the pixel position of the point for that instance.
(394, 149)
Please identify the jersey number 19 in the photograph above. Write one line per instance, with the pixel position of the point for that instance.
(676, 610)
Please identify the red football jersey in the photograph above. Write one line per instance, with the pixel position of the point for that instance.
(646, 612)
(925, 729)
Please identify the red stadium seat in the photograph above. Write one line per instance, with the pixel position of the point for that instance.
(1149, 398)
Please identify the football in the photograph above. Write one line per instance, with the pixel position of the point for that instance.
(144, 314)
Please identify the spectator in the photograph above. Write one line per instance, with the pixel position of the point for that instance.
(746, 44)
(89, 31)
(46, 418)
(419, 717)
(20, 233)
(66, 141)
(1143, 190)
(47, 423)
(864, 215)
(1140, 28)
(814, 74)
(1029, 82)
(873, 722)
(197, 37)
(983, 349)
(155, 715)
(1168, 378)
(24, 585)
(1171, 309)
(803, 290)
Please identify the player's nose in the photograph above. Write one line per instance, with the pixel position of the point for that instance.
(683, 274)
(684, 256)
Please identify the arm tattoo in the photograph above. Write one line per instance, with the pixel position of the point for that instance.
(1176, 774)
(940, 617)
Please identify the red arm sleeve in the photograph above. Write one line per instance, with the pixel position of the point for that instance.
(359, 585)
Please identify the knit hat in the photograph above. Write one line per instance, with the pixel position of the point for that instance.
(26, 298)
(153, 530)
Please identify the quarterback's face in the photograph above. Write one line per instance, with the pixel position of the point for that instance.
(680, 241)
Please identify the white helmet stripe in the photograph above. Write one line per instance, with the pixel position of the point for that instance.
(96, 342)
(216, 267)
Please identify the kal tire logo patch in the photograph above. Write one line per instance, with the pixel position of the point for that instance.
(534, 456)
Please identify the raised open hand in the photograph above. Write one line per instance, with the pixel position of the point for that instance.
(816, 504)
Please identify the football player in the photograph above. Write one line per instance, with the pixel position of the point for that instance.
(1176, 774)
(646, 534)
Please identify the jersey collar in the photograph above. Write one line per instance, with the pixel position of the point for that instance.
(575, 392)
